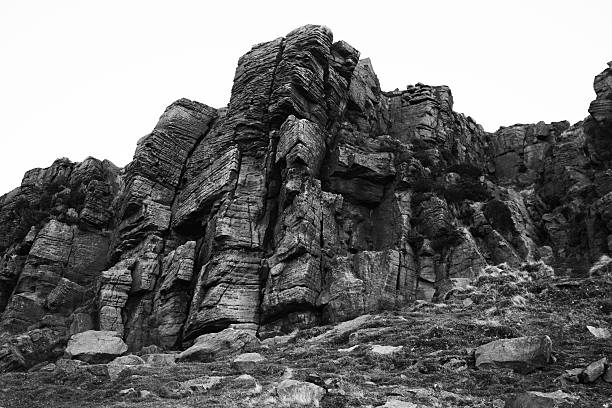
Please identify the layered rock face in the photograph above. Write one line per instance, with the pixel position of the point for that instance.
(312, 197)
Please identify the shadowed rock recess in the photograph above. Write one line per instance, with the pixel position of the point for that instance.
(312, 198)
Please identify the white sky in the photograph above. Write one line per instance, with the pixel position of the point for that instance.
(81, 78)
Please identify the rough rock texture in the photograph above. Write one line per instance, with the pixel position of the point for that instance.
(299, 393)
(521, 353)
(210, 346)
(535, 399)
(313, 197)
(96, 346)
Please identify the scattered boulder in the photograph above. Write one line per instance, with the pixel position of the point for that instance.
(385, 350)
(602, 267)
(202, 384)
(209, 347)
(279, 340)
(146, 394)
(129, 392)
(96, 346)
(599, 332)
(343, 329)
(293, 392)
(247, 361)
(523, 354)
(535, 399)
(48, 367)
(573, 375)
(593, 371)
(288, 373)
(120, 364)
(607, 377)
(249, 382)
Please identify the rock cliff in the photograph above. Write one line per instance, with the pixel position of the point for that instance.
(313, 197)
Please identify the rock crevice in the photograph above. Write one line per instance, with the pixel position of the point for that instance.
(313, 197)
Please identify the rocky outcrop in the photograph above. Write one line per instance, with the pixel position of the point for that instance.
(313, 197)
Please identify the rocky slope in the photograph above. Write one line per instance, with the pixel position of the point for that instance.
(313, 198)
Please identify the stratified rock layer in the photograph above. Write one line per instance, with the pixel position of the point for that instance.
(312, 197)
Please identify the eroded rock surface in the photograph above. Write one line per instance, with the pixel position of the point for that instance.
(314, 197)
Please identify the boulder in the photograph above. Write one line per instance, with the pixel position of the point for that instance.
(343, 329)
(299, 393)
(523, 354)
(96, 346)
(536, 399)
(120, 364)
(593, 371)
(247, 361)
(607, 377)
(599, 332)
(212, 346)
(248, 383)
(201, 384)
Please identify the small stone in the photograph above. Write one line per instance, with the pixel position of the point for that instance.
(120, 364)
(48, 368)
(467, 302)
(130, 359)
(343, 329)
(128, 392)
(518, 301)
(288, 373)
(246, 380)
(279, 340)
(299, 393)
(607, 377)
(144, 394)
(593, 371)
(599, 332)
(315, 379)
(385, 350)
(97, 370)
(573, 375)
(202, 384)
(248, 361)
(535, 399)
(394, 403)
(348, 350)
